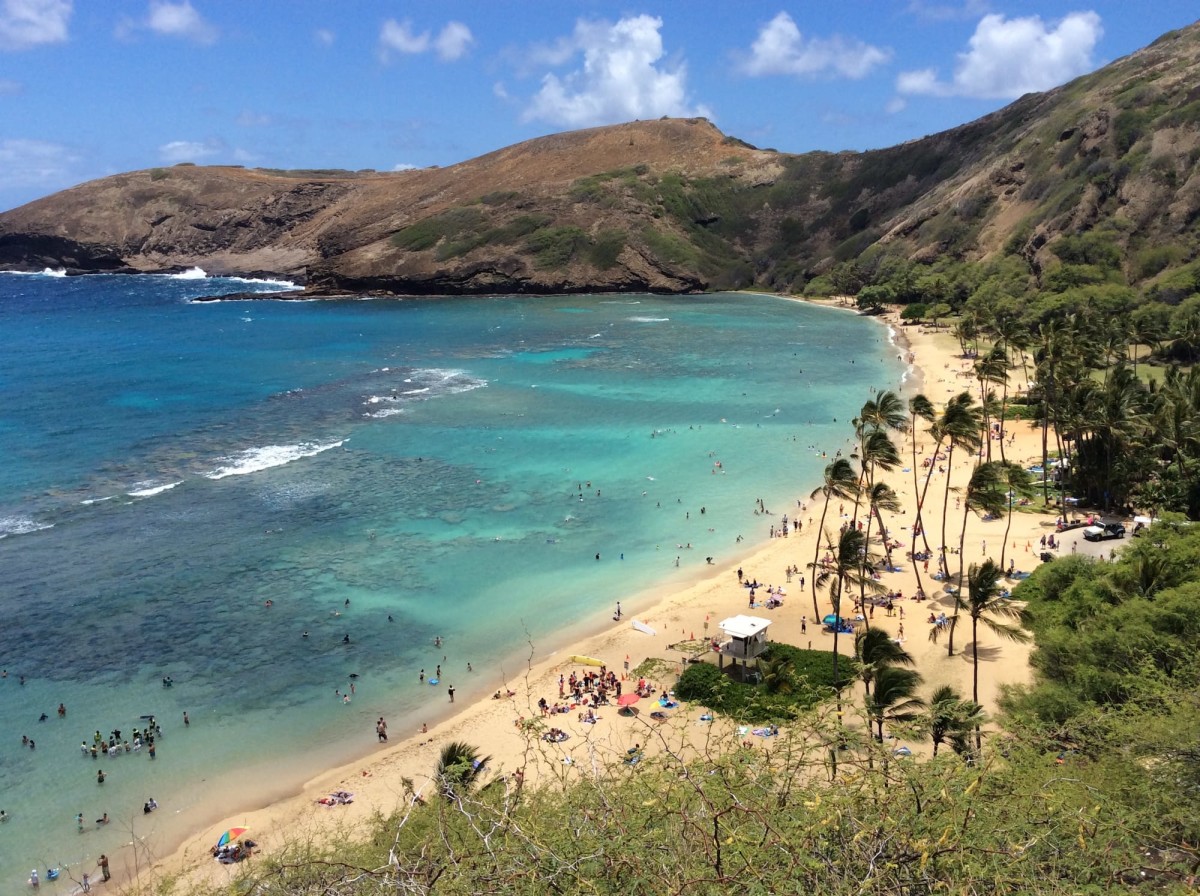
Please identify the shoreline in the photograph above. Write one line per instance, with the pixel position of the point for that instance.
(677, 610)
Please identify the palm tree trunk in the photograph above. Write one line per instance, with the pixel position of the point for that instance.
(817, 557)
(975, 675)
(962, 568)
(945, 559)
(1007, 526)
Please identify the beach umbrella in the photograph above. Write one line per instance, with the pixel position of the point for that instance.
(831, 619)
(628, 699)
(231, 835)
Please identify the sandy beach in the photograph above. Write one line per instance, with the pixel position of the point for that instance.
(683, 620)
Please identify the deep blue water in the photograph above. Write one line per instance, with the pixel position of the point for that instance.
(453, 464)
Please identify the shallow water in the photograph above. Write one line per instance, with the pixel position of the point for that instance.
(380, 470)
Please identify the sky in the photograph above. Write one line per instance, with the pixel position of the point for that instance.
(90, 88)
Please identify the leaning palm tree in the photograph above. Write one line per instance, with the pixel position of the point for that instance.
(883, 497)
(894, 699)
(458, 769)
(919, 407)
(840, 482)
(951, 719)
(874, 650)
(844, 572)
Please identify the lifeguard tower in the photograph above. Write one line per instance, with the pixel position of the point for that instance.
(745, 641)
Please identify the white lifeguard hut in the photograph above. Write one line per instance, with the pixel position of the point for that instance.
(745, 640)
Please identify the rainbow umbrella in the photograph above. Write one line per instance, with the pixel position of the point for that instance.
(230, 835)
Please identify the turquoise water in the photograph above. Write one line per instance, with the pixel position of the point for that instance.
(385, 471)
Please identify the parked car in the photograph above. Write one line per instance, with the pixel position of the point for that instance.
(1104, 532)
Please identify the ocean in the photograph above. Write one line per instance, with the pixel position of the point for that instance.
(264, 504)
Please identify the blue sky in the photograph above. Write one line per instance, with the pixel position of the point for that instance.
(94, 87)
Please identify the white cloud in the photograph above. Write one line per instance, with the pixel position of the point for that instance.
(400, 36)
(35, 163)
(27, 23)
(10, 88)
(188, 150)
(404, 166)
(1010, 57)
(324, 37)
(179, 20)
(453, 41)
(780, 49)
(620, 79)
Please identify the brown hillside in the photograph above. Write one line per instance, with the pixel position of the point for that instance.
(675, 205)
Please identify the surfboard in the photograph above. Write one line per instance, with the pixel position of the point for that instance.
(587, 660)
(642, 627)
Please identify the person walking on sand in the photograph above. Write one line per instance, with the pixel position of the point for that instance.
(103, 863)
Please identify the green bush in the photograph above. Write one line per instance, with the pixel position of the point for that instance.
(607, 246)
(554, 247)
(699, 683)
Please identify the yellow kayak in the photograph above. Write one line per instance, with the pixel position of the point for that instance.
(587, 661)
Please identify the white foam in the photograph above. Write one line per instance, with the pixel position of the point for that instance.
(649, 320)
(254, 460)
(150, 489)
(44, 272)
(90, 501)
(386, 412)
(17, 525)
(189, 274)
(278, 284)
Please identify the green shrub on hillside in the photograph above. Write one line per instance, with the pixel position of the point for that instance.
(554, 247)
(605, 249)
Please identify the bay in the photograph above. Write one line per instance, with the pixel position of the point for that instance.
(190, 488)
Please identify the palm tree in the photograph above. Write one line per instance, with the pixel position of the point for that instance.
(951, 719)
(845, 571)
(960, 423)
(985, 495)
(895, 698)
(840, 482)
(458, 769)
(984, 603)
(777, 674)
(878, 416)
(991, 368)
(874, 649)
(1018, 484)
